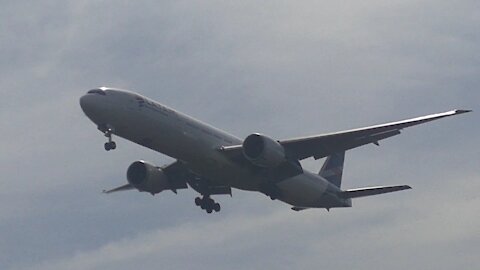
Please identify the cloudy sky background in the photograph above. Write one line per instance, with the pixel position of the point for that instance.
(284, 68)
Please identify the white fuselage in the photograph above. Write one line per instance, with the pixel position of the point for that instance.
(160, 128)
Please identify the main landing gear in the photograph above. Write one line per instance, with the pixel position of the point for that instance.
(206, 189)
(207, 204)
(110, 145)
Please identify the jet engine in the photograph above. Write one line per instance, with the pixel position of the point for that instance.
(263, 151)
(146, 177)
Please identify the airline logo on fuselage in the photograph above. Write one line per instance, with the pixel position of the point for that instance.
(145, 103)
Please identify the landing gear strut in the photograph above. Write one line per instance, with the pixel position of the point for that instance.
(110, 145)
(207, 204)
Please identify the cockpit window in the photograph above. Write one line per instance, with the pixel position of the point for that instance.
(97, 91)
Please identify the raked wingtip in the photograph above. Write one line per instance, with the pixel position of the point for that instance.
(462, 111)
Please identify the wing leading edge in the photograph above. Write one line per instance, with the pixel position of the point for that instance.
(319, 146)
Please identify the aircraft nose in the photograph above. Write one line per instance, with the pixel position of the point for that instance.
(92, 106)
(86, 103)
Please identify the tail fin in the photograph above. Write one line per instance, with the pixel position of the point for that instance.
(332, 169)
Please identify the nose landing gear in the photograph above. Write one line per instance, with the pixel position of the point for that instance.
(207, 204)
(110, 145)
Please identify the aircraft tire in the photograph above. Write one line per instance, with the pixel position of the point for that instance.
(198, 201)
(110, 146)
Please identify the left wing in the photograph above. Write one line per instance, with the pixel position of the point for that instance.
(319, 146)
(176, 172)
(180, 177)
(120, 188)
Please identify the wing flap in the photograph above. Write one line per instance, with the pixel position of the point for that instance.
(178, 175)
(299, 208)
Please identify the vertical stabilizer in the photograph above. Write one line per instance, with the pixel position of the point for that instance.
(332, 169)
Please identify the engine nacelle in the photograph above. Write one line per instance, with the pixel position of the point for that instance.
(146, 177)
(263, 151)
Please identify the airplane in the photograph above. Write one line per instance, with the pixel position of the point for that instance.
(213, 162)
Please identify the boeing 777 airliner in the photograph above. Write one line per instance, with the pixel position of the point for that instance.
(212, 161)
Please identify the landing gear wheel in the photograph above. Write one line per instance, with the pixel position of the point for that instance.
(207, 204)
(110, 146)
(198, 201)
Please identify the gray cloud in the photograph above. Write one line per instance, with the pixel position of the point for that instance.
(285, 69)
(248, 241)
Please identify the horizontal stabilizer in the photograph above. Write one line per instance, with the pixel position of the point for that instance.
(121, 188)
(370, 191)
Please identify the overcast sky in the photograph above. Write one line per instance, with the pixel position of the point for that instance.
(283, 68)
